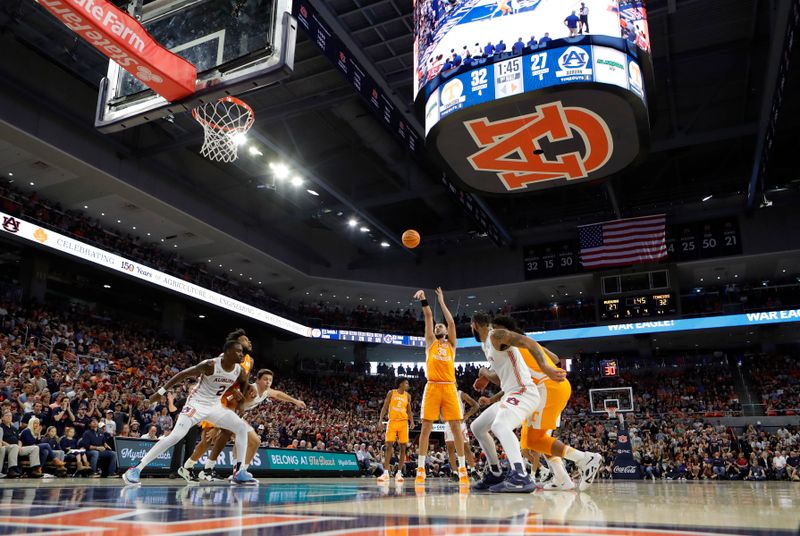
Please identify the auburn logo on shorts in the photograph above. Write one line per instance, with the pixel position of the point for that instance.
(508, 147)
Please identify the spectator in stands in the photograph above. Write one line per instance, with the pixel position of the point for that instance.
(14, 449)
(152, 433)
(73, 452)
(31, 436)
(756, 473)
(97, 449)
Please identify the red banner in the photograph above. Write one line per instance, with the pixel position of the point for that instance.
(121, 38)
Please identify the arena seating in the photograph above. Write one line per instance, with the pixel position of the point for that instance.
(97, 365)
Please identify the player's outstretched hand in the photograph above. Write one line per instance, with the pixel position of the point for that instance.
(440, 294)
(419, 295)
(300, 404)
(484, 401)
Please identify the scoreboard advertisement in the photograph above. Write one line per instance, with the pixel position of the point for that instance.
(685, 242)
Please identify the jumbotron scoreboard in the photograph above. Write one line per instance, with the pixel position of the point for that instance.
(519, 95)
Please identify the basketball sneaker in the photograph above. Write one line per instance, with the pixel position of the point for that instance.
(553, 485)
(514, 483)
(589, 468)
(489, 479)
(421, 476)
(187, 474)
(384, 478)
(244, 478)
(398, 477)
(131, 476)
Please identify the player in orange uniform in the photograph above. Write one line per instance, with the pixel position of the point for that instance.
(537, 430)
(398, 404)
(211, 435)
(441, 394)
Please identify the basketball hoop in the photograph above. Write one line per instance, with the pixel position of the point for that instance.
(612, 411)
(225, 122)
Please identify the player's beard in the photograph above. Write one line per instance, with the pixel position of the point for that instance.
(476, 335)
(439, 336)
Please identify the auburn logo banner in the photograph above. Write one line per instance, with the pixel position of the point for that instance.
(511, 147)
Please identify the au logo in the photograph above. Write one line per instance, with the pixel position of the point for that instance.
(40, 235)
(10, 224)
(573, 58)
(510, 147)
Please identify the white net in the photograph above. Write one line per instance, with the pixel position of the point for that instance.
(225, 122)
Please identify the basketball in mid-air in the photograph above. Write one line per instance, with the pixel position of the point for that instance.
(411, 239)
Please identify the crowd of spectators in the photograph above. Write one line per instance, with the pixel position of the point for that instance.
(743, 297)
(777, 384)
(67, 405)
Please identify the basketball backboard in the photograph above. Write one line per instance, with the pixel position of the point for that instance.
(236, 45)
(602, 400)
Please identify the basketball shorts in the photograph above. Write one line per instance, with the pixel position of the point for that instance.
(218, 415)
(448, 433)
(554, 397)
(397, 430)
(440, 399)
(516, 407)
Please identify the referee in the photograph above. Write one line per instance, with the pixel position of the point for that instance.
(584, 13)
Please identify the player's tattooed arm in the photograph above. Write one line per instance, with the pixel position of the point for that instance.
(503, 338)
(204, 368)
(550, 354)
(471, 405)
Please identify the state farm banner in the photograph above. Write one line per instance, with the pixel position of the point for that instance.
(125, 41)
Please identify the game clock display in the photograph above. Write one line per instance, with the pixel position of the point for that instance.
(639, 306)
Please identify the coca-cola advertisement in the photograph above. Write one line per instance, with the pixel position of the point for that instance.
(625, 466)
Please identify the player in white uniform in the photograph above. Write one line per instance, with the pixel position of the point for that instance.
(216, 376)
(520, 399)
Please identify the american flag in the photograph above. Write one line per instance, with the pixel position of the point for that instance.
(623, 242)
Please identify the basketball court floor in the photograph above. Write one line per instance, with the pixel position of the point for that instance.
(360, 507)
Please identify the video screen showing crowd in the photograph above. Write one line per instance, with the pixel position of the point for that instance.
(457, 35)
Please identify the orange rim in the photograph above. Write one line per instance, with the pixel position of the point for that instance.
(233, 100)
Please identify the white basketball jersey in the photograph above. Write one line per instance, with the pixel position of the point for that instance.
(210, 388)
(509, 365)
(258, 399)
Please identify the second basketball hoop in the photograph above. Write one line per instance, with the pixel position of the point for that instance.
(225, 122)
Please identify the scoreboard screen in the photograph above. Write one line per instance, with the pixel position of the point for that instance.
(638, 306)
(447, 33)
(609, 368)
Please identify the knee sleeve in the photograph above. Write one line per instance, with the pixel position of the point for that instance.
(540, 441)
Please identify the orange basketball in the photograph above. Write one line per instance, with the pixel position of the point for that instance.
(411, 239)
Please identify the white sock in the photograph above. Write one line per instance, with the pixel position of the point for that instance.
(462, 461)
(420, 462)
(210, 464)
(575, 455)
(559, 472)
(244, 467)
(189, 463)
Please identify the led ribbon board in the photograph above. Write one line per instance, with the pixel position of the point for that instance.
(58, 242)
(508, 110)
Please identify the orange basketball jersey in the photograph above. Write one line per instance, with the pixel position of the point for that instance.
(398, 407)
(247, 365)
(536, 371)
(441, 362)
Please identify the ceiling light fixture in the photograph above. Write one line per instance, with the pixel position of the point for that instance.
(240, 139)
(364, 229)
(297, 181)
(201, 316)
(102, 213)
(255, 152)
(384, 244)
(312, 192)
(85, 206)
(106, 286)
(706, 198)
(10, 174)
(31, 183)
(352, 222)
(281, 171)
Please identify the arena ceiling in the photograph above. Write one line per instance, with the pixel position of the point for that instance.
(715, 69)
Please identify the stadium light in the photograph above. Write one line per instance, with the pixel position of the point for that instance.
(706, 198)
(281, 171)
(240, 139)
(297, 181)
(364, 229)
(313, 192)
(384, 244)
(352, 222)
(255, 152)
